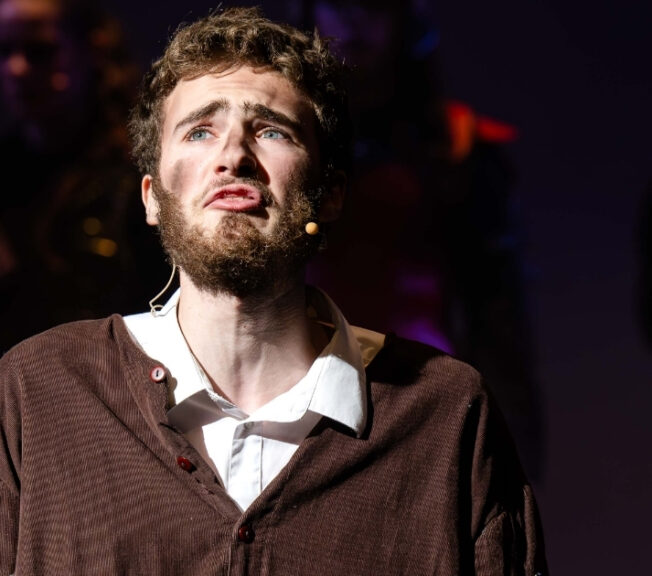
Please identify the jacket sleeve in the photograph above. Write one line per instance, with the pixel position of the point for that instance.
(508, 538)
(511, 543)
(10, 449)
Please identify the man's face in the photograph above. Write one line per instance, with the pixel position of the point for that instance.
(237, 169)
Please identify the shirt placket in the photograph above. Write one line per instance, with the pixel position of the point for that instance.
(245, 467)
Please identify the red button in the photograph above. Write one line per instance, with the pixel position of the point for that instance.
(245, 534)
(157, 374)
(185, 464)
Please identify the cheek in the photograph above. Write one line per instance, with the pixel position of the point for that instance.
(178, 176)
(288, 171)
(182, 177)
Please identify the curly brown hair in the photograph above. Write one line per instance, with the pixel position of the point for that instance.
(243, 36)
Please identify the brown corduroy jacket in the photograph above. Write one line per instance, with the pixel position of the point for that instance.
(94, 481)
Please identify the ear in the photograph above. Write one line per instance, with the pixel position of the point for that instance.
(149, 200)
(333, 200)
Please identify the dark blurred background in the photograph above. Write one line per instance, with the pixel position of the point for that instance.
(518, 134)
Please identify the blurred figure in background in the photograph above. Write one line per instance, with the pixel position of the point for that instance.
(430, 229)
(69, 209)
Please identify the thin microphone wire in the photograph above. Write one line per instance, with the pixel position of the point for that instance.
(154, 308)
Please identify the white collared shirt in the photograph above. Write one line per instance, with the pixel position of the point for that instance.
(247, 451)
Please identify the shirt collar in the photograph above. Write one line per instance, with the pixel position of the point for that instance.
(340, 393)
(334, 387)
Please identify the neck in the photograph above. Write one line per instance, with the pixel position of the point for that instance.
(252, 349)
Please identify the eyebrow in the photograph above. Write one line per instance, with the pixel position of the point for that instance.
(206, 111)
(250, 109)
(266, 113)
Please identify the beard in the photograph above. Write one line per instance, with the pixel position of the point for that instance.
(236, 258)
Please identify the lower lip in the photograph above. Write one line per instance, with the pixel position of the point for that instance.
(235, 204)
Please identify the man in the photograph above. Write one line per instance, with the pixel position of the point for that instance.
(245, 427)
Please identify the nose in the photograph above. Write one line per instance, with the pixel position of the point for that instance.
(236, 157)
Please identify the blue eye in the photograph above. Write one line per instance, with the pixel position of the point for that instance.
(198, 134)
(273, 134)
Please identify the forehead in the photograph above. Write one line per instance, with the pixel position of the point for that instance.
(237, 86)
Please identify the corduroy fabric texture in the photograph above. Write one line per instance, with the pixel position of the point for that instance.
(90, 481)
